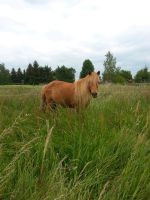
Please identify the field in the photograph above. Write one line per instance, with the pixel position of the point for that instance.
(102, 153)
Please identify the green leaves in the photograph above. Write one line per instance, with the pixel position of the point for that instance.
(142, 76)
(65, 74)
(86, 68)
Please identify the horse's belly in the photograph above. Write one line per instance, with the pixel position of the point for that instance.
(64, 98)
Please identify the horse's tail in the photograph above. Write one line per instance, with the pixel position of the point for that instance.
(43, 102)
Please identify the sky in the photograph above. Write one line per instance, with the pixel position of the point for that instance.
(66, 32)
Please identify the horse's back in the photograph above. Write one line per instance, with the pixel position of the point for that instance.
(60, 92)
(58, 85)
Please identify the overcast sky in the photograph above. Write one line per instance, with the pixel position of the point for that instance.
(66, 32)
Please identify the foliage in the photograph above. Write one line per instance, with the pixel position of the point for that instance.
(100, 153)
(35, 74)
(142, 76)
(47, 74)
(122, 76)
(20, 76)
(86, 68)
(115, 74)
(65, 74)
(117, 77)
(13, 75)
(29, 74)
(109, 67)
(126, 75)
(4, 75)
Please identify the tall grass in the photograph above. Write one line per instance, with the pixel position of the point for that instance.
(101, 153)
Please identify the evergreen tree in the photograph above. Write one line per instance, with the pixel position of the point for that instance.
(29, 75)
(65, 74)
(109, 67)
(36, 74)
(86, 68)
(24, 76)
(4, 75)
(19, 76)
(13, 76)
(48, 74)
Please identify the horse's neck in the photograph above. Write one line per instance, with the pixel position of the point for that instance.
(83, 84)
(82, 92)
(82, 87)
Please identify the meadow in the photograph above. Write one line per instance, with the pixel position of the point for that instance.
(102, 153)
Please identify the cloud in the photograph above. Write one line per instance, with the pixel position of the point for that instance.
(36, 1)
(58, 32)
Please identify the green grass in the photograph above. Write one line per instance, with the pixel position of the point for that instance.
(101, 153)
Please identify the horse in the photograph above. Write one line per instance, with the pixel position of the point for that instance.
(73, 95)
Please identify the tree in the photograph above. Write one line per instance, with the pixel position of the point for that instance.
(19, 76)
(46, 74)
(122, 76)
(29, 75)
(142, 76)
(36, 74)
(24, 76)
(4, 75)
(13, 76)
(109, 67)
(117, 77)
(86, 68)
(126, 75)
(65, 74)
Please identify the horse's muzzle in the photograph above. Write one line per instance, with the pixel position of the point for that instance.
(94, 95)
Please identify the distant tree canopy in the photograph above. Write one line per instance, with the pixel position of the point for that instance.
(36, 74)
(109, 67)
(65, 74)
(13, 76)
(126, 75)
(142, 76)
(122, 76)
(86, 68)
(4, 75)
(114, 74)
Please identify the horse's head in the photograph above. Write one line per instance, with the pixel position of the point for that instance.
(94, 81)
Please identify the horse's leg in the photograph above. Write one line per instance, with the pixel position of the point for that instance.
(43, 103)
(78, 109)
(51, 105)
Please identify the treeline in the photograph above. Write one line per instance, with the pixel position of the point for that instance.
(115, 74)
(35, 74)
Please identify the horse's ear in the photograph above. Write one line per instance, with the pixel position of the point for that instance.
(98, 72)
(90, 73)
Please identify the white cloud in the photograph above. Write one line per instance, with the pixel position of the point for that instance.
(58, 32)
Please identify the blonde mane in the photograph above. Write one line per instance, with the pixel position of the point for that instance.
(82, 93)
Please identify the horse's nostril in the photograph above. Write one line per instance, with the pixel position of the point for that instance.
(94, 94)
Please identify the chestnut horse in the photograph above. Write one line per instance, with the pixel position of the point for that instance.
(74, 95)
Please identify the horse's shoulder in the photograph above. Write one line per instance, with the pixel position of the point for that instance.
(57, 82)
